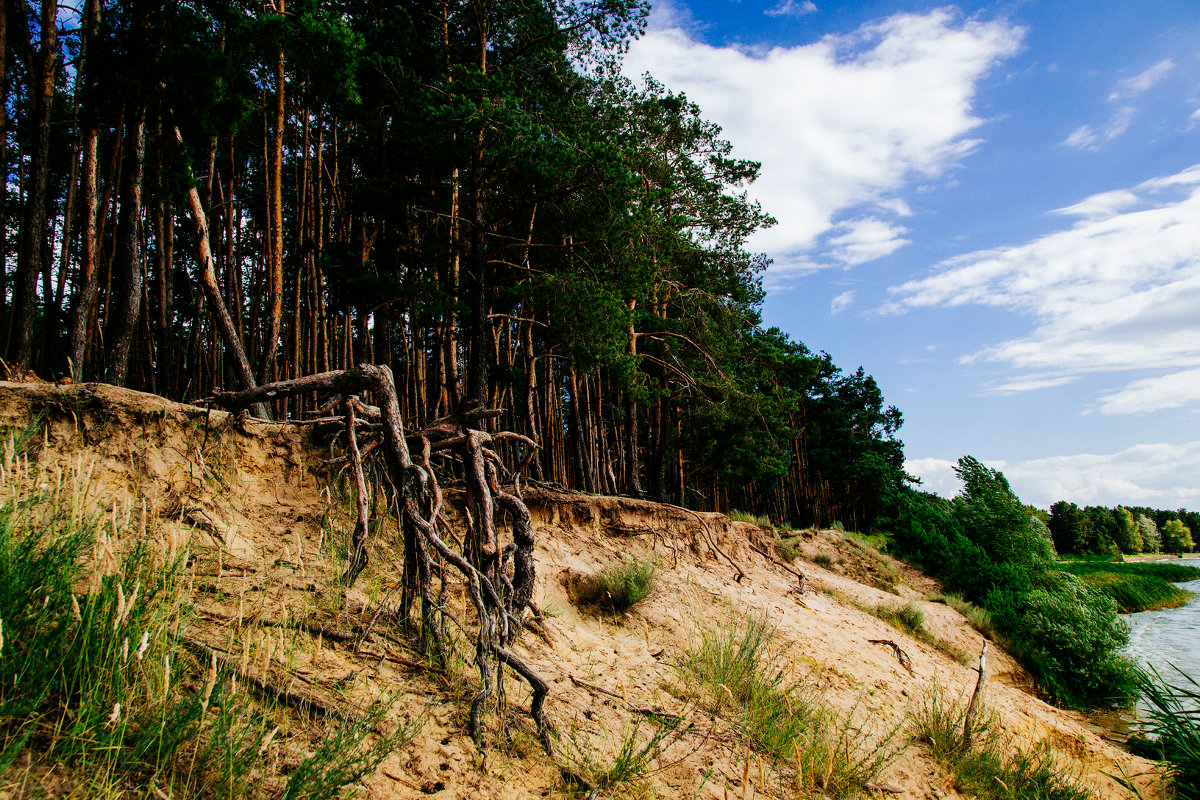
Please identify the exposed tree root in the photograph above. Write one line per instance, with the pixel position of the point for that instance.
(499, 599)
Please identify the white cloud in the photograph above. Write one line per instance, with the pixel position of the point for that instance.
(1155, 475)
(1154, 394)
(841, 302)
(1118, 290)
(1132, 87)
(1084, 138)
(791, 8)
(865, 240)
(1028, 383)
(936, 474)
(841, 124)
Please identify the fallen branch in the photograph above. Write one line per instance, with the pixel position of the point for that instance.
(901, 656)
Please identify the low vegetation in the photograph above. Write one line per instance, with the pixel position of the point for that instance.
(989, 547)
(778, 714)
(622, 586)
(1137, 585)
(986, 768)
(101, 686)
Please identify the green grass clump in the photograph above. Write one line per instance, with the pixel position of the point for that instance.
(1171, 729)
(591, 766)
(1136, 585)
(908, 618)
(988, 769)
(761, 520)
(979, 618)
(98, 679)
(823, 560)
(626, 584)
(776, 714)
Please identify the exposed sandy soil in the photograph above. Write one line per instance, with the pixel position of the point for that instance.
(266, 529)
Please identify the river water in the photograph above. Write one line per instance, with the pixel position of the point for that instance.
(1169, 639)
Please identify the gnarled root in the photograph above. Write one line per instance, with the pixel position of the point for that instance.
(498, 600)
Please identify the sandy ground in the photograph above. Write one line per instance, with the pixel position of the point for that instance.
(259, 504)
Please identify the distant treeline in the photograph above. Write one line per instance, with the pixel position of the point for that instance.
(1096, 530)
(230, 192)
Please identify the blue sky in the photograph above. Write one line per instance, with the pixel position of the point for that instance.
(994, 208)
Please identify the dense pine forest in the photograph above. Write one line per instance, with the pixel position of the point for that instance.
(220, 194)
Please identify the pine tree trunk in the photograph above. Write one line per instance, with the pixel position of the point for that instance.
(126, 299)
(33, 229)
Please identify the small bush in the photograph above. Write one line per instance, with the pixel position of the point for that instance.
(1069, 637)
(823, 560)
(624, 585)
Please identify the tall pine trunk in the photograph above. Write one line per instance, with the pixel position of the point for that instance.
(128, 272)
(33, 227)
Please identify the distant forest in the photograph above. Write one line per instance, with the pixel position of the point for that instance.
(1096, 530)
(224, 193)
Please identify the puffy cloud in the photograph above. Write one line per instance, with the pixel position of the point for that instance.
(1118, 290)
(842, 125)
(841, 302)
(1155, 475)
(790, 8)
(865, 240)
(1154, 394)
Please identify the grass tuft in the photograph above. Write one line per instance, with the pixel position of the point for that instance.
(99, 684)
(626, 584)
(982, 771)
(761, 520)
(777, 715)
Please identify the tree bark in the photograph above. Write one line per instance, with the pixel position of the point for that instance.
(275, 270)
(85, 299)
(126, 299)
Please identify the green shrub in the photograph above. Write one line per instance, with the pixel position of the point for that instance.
(1069, 636)
(823, 560)
(624, 585)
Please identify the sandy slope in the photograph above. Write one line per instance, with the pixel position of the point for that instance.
(266, 530)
